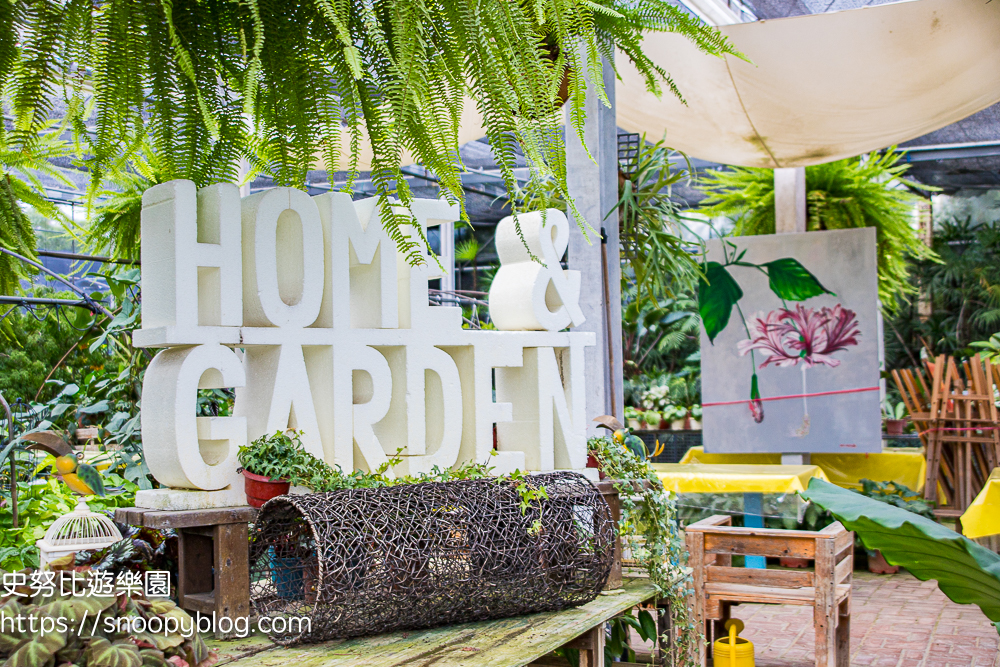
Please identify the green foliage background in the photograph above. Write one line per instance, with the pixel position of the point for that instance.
(867, 191)
(962, 293)
(31, 346)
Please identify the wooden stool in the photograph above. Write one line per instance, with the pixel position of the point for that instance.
(213, 556)
(712, 543)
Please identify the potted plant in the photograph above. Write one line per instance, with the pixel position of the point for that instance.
(268, 464)
(651, 419)
(634, 417)
(695, 421)
(895, 418)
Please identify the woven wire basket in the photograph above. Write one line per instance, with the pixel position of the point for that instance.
(366, 561)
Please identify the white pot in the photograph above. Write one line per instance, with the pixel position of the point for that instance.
(677, 424)
(695, 424)
(634, 424)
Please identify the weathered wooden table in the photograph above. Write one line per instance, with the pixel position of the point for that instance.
(509, 642)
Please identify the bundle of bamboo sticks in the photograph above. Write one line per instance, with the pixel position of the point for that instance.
(953, 406)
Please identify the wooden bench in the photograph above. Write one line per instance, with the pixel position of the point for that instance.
(213, 556)
(712, 543)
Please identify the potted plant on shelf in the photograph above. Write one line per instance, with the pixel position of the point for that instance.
(695, 421)
(268, 465)
(634, 417)
(895, 418)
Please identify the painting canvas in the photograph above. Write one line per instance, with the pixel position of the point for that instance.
(790, 343)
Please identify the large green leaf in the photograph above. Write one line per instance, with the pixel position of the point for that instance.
(966, 572)
(37, 651)
(102, 653)
(791, 281)
(718, 292)
(10, 635)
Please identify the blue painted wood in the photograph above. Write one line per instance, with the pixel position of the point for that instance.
(753, 517)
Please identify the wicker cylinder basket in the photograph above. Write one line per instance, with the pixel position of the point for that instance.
(365, 561)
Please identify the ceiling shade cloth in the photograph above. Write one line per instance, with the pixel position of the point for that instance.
(821, 87)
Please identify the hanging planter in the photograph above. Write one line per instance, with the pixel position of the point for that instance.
(366, 561)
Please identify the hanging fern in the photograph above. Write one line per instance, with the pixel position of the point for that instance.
(287, 85)
(868, 191)
(21, 167)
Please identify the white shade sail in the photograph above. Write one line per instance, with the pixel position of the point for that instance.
(822, 87)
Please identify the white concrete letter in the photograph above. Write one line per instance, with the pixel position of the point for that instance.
(181, 450)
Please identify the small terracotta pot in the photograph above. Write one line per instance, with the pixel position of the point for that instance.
(592, 463)
(787, 561)
(895, 426)
(877, 564)
(260, 489)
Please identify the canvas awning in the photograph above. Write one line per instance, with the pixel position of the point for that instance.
(819, 88)
(822, 87)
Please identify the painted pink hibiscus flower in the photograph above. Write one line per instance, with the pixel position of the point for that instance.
(788, 337)
(805, 336)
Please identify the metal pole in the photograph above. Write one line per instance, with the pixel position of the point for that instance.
(608, 322)
(13, 462)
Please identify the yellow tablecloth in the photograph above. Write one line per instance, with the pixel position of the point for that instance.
(902, 465)
(735, 478)
(983, 516)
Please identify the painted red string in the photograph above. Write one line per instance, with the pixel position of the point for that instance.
(962, 428)
(783, 398)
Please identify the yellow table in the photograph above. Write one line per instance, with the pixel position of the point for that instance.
(753, 481)
(906, 466)
(735, 478)
(983, 516)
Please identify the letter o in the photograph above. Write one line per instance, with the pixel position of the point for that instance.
(283, 270)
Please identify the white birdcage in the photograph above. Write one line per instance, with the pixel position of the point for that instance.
(80, 530)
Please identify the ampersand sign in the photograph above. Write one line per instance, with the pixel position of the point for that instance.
(527, 295)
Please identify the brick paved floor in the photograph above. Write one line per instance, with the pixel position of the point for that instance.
(896, 621)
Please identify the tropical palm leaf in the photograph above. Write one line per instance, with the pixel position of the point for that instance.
(966, 572)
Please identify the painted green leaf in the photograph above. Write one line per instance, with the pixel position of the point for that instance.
(793, 282)
(102, 653)
(37, 651)
(716, 297)
(966, 572)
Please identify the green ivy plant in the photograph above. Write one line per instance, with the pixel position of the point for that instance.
(282, 456)
(866, 191)
(92, 643)
(649, 530)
